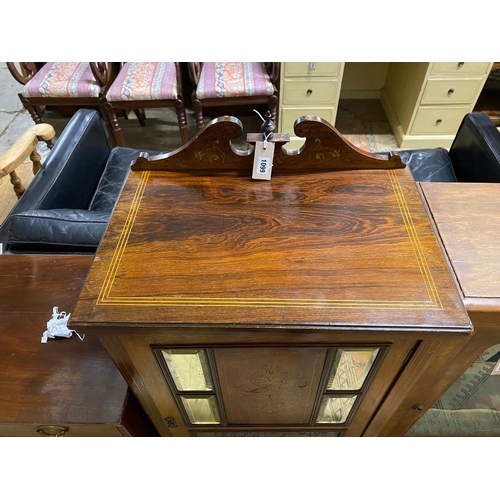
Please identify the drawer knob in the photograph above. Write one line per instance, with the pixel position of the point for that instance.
(438, 121)
(309, 91)
(417, 407)
(52, 430)
(451, 91)
(460, 64)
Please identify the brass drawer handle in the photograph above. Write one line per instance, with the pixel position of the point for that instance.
(52, 430)
(309, 91)
(451, 91)
(438, 121)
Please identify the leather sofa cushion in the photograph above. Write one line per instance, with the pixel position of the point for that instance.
(77, 229)
(429, 165)
(475, 152)
(113, 178)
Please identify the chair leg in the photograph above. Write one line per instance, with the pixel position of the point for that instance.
(18, 185)
(112, 123)
(181, 119)
(35, 116)
(198, 113)
(273, 105)
(141, 116)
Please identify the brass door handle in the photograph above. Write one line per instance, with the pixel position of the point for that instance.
(52, 430)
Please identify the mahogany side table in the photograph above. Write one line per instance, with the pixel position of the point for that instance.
(64, 387)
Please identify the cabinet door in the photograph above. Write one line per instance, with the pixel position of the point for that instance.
(309, 388)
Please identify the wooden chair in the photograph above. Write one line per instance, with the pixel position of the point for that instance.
(56, 84)
(232, 84)
(24, 146)
(141, 85)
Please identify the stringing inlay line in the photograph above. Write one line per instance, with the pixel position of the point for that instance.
(124, 236)
(415, 242)
(105, 298)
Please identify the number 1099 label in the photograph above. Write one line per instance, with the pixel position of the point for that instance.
(264, 165)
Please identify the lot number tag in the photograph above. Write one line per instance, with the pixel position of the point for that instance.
(263, 161)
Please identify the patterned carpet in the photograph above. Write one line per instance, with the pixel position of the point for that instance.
(470, 407)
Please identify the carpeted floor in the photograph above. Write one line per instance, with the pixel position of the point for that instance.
(470, 407)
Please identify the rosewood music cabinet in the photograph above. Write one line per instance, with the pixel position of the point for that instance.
(316, 303)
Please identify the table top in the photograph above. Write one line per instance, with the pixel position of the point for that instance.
(348, 245)
(467, 218)
(64, 380)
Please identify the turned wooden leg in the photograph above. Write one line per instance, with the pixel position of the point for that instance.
(181, 119)
(273, 105)
(198, 113)
(16, 182)
(35, 116)
(36, 160)
(141, 116)
(114, 126)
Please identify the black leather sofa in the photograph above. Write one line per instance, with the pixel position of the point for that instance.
(474, 155)
(68, 204)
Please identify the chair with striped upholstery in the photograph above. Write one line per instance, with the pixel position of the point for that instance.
(140, 85)
(55, 84)
(232, 84)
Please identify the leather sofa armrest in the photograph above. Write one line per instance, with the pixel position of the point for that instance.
(475, 152)
(59, 229)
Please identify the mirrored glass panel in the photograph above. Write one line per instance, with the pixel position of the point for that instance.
(189, 369)
(350, 368)
(335, 410)
(201, 410)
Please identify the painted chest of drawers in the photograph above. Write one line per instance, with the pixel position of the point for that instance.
(426, 102)
(308, 89)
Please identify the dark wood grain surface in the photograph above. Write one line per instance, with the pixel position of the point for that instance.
(343, 248)
(64, 381)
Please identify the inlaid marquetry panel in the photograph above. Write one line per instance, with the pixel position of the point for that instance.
(269, 385)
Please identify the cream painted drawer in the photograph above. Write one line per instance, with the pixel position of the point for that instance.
(289, 115)
(468, 68)
(438, 120)
(310, 92)
(322, 69)
(452, 91)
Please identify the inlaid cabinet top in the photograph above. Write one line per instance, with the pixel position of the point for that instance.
(338, 238)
